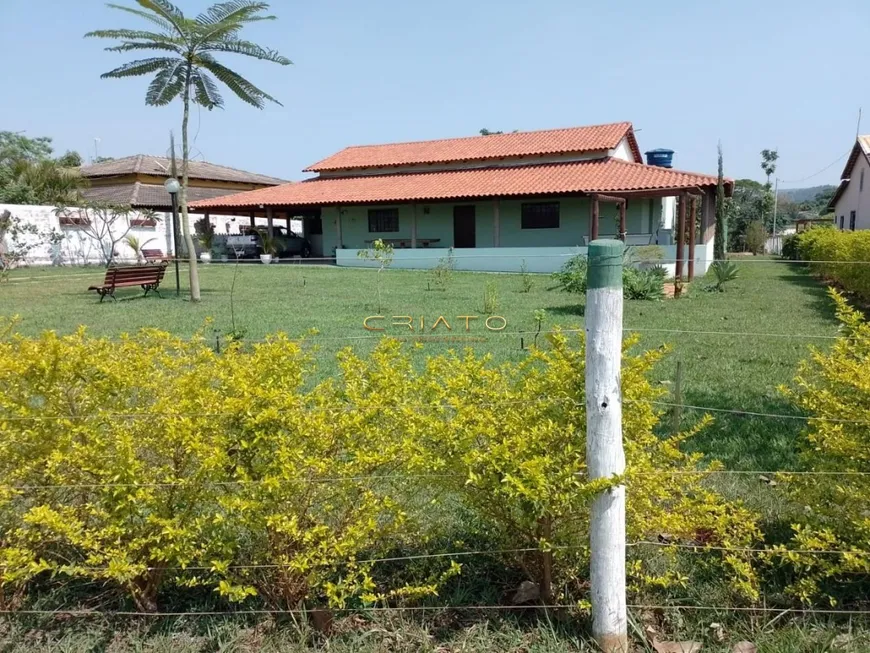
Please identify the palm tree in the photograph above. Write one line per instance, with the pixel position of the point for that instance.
(188, 69)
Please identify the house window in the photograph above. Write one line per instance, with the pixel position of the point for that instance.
(381, 220)
(143, 222)
(540, 215)
(73, 221)
(861, 182)
(851, 221)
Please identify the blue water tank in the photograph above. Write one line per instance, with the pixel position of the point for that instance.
(660, 157)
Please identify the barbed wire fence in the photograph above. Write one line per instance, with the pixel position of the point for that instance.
(13, 421)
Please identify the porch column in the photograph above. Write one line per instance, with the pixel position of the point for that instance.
(681, 240)
(622, 227)
(593, 219)
(269, 216)
(692, 237)
(495, 223)
(413, 226)
(253, 219)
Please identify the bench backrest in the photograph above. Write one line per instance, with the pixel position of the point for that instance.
(134, 275)
(152, 254)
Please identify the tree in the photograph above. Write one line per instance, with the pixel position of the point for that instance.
(188, 68)
(14, 146)
(106, 224)
(28, 174)
(756, 236)
(486, 132)
(43, 181)
(70, 159)
(720, 244)
(768, 162)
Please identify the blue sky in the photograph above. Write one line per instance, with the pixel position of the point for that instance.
(770, 73)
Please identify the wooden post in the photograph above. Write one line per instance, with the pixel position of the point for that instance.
(692, 236)
(253, 219)
(496, 218)
(677, 414)
(622, 227)
(605, 457)
(413, 226)
(269, 216)
(681, 234)
(593, 220)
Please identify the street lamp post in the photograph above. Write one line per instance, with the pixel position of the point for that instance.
(172, 187)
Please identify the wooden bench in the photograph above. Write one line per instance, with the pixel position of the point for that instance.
(152, 255)
(146, 276)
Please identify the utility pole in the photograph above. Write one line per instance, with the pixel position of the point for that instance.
(775, 204)
(605, 457)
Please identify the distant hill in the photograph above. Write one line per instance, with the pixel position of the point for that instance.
(799, 195)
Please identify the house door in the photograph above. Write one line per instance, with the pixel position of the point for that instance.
(463, 226)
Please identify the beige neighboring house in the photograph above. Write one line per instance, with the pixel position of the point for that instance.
(851, 202)
(138, 181)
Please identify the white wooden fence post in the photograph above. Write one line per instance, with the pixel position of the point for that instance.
(605, 457)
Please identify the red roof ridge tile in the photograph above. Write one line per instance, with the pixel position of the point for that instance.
(622, 128)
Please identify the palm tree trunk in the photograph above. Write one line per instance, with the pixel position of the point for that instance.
(185, 224)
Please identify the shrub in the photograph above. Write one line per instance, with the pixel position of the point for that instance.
(572, 275)
(440, 275)
(525, 278)
(516, 436)
(222, 460)
(833, 386)
(790, 247)
(647, 283)
(756, 237)
(835, 252)
(724, 272)
(154, 461)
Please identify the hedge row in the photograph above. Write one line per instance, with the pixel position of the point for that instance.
(841, 257)
(154, 462)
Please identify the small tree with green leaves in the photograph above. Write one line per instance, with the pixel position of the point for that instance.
(382, 254)
(187, 68)
(720, 239)
(756, 235)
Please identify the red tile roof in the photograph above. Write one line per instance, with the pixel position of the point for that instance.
(575, 140)
(595, 176)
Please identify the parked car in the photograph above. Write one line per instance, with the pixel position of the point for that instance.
(249, 244)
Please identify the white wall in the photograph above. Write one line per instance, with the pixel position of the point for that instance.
(854, 199)
(79, 248)
(623, 151)
(508, 259)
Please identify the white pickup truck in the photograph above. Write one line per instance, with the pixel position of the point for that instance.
(249, 244)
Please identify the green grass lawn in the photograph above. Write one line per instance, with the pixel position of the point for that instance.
(723, 370)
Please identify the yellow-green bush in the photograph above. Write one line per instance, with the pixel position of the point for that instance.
(834, 388)
(154, 461)
(836, 252)
(216, 460)
(516, 435)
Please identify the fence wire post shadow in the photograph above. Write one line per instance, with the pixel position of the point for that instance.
(605, 457)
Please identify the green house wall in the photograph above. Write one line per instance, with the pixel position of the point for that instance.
(435, 222)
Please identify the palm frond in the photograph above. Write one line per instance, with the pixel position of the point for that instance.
(157, 20)
(129, 46)
(206, 93)
(140, 67)
(234, 10)
(129, 35)
(244, 89)
(166, 85)
(248, 49)
(167, 11)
